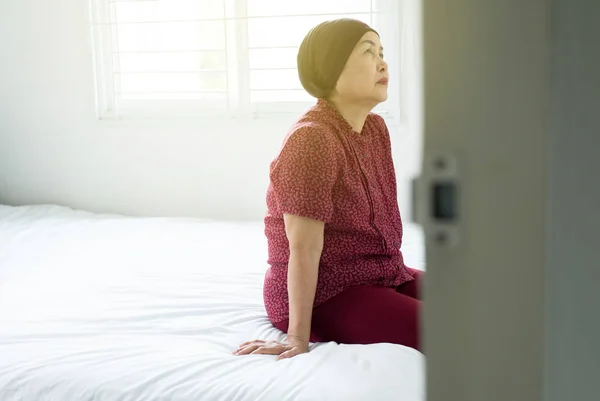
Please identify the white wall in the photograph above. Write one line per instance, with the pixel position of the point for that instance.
(53, 150)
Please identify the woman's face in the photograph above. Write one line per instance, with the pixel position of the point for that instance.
(364, 78)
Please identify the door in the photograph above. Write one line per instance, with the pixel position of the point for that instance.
(481, 198)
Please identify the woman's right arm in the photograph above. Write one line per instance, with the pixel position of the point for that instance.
(303, 177)
(305, 237)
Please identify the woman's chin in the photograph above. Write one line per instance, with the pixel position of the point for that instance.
(381, 94)
(381, 97)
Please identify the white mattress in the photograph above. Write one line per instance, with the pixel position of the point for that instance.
(103, 307)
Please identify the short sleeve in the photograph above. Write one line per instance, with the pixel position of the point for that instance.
(304, 174)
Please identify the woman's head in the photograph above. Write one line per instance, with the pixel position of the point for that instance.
(343, 60)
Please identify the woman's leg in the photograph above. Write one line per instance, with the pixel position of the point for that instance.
(412, 288)
(366, 315)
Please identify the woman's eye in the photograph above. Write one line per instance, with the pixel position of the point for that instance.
(373, 52)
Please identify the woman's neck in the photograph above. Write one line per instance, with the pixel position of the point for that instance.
(355, 114)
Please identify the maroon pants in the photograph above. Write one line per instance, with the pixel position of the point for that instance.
(369, 314)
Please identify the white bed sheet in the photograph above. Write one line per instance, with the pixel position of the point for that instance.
(103, 307)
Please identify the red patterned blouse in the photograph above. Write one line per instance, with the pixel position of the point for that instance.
(327, 171)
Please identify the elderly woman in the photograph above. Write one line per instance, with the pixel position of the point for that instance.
(333, 225)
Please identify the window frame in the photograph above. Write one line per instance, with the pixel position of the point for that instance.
(109, 106)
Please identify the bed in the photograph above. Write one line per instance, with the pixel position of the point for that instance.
(106, 307)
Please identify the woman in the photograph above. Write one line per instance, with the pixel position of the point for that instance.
(333, 225)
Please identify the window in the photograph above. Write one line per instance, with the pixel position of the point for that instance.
(217, 57)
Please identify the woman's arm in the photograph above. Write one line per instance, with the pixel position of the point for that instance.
(305, 237)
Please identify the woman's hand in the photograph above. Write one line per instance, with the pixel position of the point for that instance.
(291, 347)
